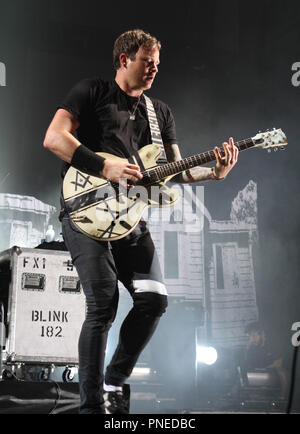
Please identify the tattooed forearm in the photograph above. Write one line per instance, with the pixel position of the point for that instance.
(197, 174)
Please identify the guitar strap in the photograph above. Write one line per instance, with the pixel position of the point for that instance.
(155, 131)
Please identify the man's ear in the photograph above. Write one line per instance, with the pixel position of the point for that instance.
(123, 60)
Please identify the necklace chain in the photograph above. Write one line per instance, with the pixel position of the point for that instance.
(132, 113)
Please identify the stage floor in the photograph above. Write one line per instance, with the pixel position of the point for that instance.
(50, 397)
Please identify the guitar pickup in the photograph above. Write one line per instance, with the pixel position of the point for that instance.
(82, 219)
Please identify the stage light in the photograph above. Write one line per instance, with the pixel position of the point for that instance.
(206, 355)
(141, 371)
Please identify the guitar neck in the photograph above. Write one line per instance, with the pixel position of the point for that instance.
(176, 167)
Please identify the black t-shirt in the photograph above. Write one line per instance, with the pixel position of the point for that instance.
(259, 357)
(103, 111)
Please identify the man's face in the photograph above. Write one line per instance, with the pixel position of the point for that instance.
(142, 70)
(257, 338)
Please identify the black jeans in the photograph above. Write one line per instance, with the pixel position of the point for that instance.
(133, 261)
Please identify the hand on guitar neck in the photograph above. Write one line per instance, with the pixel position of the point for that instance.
(120, 171)
(226, 160)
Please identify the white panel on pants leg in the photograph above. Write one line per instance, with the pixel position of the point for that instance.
(150, 286)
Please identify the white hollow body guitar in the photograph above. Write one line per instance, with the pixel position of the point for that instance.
(106, 211)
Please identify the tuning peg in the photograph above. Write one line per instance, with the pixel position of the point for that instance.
(269, 150)
(282, 148)
(275, 149)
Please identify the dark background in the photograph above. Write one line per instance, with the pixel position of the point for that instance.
(226, 69)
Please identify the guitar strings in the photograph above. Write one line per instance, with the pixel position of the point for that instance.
(168, 169)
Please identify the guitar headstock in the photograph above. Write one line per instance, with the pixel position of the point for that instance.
(270, 139)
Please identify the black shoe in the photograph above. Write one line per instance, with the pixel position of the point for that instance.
(117, 402)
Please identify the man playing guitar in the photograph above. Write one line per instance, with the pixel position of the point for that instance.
(111, 117)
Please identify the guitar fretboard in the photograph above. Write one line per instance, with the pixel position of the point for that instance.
(161, 172)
